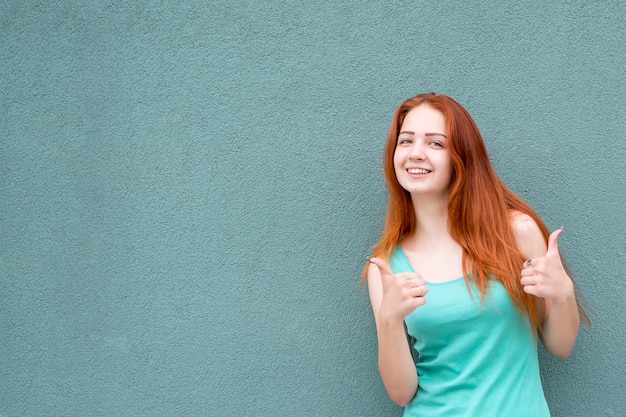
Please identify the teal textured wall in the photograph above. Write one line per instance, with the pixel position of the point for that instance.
(189, 191)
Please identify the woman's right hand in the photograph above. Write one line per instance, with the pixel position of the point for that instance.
(401, 293)
(394, 297)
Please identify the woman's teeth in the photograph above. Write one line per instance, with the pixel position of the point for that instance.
(418, 171)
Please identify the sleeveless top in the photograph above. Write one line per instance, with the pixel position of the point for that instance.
(473, 359)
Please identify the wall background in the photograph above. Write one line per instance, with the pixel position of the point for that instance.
(189, 191)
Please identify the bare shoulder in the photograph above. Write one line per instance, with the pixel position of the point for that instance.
(374, 281)
(524, 225)
(375, 288)
(373, 273)
(530, 240)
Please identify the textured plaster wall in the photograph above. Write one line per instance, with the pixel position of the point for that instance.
(188, 191)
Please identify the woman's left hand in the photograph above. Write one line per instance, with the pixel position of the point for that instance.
(546, 277)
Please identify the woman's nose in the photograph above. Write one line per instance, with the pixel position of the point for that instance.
(417, 152)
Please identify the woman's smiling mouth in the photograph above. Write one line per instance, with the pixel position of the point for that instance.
(418, 171)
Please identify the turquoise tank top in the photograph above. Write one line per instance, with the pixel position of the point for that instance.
(474, 360)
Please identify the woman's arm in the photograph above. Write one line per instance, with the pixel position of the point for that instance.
(544, 276)
(393, 297)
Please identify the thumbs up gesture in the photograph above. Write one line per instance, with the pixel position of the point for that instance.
(545, 277)
(401, 293)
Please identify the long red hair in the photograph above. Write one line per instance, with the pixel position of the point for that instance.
(479, 206)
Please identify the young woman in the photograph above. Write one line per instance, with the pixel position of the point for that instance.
(468, 269)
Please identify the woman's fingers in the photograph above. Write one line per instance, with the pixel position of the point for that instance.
(383, 267)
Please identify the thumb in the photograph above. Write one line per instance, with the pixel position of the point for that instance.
(553, 240)
(383, 267)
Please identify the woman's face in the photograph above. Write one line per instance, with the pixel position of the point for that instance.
(422, 160)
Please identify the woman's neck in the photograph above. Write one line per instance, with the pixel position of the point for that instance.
(432, 220)
(431, 250)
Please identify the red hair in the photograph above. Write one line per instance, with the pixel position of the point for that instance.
(479, 206)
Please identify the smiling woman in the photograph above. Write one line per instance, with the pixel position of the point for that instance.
(450, 270)
(421, 158)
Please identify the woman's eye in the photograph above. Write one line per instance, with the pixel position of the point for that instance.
(403, 141)
(436, 144)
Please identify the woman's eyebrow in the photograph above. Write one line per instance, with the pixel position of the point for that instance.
(408, 132)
